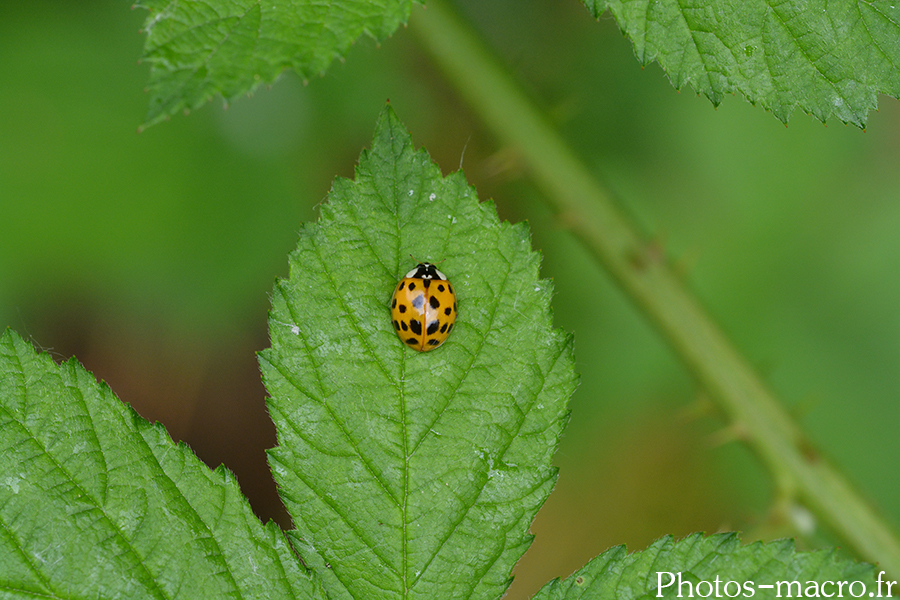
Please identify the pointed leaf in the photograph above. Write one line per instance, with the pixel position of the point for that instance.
(199, 49)
(830, 59)
(413, 474)
(97, 503)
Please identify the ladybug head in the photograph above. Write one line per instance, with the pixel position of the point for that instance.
(426, 271)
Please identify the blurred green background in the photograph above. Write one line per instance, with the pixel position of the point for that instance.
(150, 256)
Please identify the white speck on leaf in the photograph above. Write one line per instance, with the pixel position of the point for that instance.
(12, 483)
(295, 329)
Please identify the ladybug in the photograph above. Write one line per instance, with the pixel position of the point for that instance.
(423, 308)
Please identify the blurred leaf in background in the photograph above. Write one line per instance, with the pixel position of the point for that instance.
(150, 256)
(200, 51)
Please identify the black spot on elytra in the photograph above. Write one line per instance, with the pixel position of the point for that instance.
(402, 283)
(451, 288)
(402, 308)
(434, 342)
(434, 302)
(454, 307)
(393, 303)
(396, 325)
(418, 301)
(441, 287)
(447, 311)
(443, 328)
(403, 325)
(412, 341)
(433, 327)
(449, 329)
(416, 326)
(412, 285)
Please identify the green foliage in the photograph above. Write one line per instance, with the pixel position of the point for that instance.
(198, 50)
(827, 58)
(407, 474)
(615, 574)
(413, 474)
(95, 502)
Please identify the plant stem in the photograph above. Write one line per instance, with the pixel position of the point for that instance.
(587, 209)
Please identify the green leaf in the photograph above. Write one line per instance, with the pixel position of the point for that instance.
(827, 58)
(696, 562)
(413, 474)
(199, 49)
(97, 503)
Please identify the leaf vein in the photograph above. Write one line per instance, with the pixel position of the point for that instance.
(467, 370)
(334, 417)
